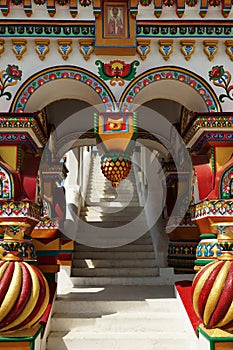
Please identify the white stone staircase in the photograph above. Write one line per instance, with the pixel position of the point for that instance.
(117, 299)
(133, 263)
(119, 318)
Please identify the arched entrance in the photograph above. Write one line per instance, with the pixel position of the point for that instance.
(78, 88)
(62, 82)
(175, 83)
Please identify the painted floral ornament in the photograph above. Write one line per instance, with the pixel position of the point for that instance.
(168, 2)
(214, 3)
(117, 71)
(115, 167)
(9, 77)
(222, 78)
(39, 2)
(212, 293)
(191, 3)
(17, 2)
(85, 3)
(62, 2)
(24, 295)
(145, 2)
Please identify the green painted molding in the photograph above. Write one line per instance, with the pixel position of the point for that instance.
(144, 29)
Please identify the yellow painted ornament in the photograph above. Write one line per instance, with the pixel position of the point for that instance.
(24, 295)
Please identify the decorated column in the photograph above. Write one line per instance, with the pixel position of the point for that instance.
(207, 137)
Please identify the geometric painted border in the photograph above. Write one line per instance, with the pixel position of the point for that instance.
(170, 73)
(62, 72)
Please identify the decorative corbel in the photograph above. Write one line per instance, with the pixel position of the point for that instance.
(143, 48)
(180, 8)
(64, 47)
(19, 47)
(42, 48)
(229, 48)
(27, 4)
(51, 7)
(96, 7)
(203, 8)
(187, 48)
(226, 7)
(2, 49)
(86, 48)
(73, 8)
(166, 48)
(210, 48)
(5, 7)
(133, 8)
(158, 8)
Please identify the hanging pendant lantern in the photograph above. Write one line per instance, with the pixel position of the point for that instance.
(115, 167)
(116, 133)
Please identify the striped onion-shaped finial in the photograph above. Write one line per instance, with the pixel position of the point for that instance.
(24, 295)
(212, 294)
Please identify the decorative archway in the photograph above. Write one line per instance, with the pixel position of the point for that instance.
(175, 74)
(54, 74)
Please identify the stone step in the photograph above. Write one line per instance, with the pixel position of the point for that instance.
(125, 248)
(105, 197)
(141, 226)
(100, 185)
(126, 200)
(141, 241)
(100, 190)
(115, 272)
(106, 218)
(107, 281)
(118, 341)
(114, 263)
(72, 303)
(109, 211)
(112, 204)
(117, 322)
(114, 255)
